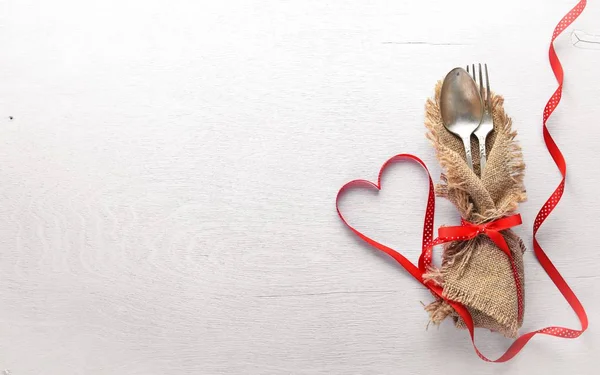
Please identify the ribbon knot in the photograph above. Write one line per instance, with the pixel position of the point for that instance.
(467, 231)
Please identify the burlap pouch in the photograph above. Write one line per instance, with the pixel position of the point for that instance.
(476, 272)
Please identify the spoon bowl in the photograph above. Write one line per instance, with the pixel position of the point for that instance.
(461, 107)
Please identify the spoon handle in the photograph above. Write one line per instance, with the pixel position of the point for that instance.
(482, 155)
(467, 143)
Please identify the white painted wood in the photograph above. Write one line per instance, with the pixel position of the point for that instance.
(167, 183)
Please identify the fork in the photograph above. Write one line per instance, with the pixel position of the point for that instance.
(487, 122)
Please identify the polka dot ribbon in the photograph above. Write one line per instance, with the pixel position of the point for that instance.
(429, 242)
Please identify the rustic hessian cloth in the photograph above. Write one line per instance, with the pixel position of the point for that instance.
(476, 272)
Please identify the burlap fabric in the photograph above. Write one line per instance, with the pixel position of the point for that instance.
(477, 273)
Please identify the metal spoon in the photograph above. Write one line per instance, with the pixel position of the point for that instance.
(461, 107)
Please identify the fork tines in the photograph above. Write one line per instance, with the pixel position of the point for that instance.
(478, 78)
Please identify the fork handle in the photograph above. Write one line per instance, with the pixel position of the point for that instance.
(482, 155)
(467, 143)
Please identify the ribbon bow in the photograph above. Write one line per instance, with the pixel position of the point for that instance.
(467, 231)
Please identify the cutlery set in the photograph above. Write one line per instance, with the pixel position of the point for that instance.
(465, 105)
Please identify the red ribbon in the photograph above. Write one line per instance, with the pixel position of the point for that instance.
(492, 229)
(428, 241)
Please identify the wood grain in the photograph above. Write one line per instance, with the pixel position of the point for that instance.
(169, 172)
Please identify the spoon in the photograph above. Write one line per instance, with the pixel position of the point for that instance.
(461, 107)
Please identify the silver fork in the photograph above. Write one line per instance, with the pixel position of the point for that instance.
(487, 122)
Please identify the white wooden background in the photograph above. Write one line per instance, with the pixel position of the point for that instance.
(167, 183)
